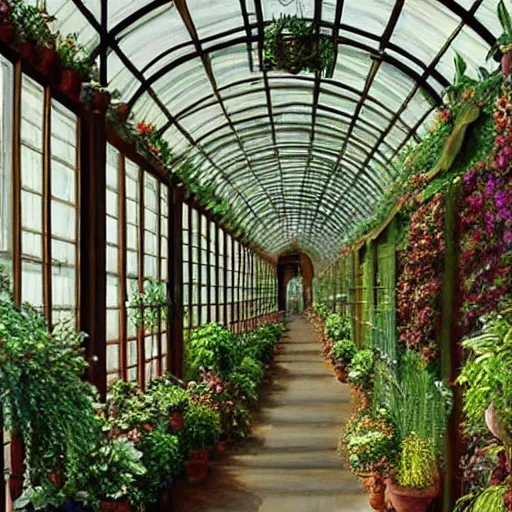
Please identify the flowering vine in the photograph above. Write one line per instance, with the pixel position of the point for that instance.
(420, 282)
(486, 226)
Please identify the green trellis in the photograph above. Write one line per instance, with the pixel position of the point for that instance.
(368, 315)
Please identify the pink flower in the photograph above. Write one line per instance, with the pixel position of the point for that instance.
(507, 237)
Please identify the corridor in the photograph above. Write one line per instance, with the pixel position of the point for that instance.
(290, 464)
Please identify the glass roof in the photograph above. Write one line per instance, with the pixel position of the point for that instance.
(300, 158)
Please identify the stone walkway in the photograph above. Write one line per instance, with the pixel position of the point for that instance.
(290, 464)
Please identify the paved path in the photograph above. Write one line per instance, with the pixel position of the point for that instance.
(290, 464)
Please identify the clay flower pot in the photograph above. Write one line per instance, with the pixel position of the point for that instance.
(114, 506)
(100, 101)
(28, 52)
(48, 60)
(7, 33)
(176, 420)
(71, 83)
(376, 489)
(405, 499)
(341, 373)
(506, 64)
(196, 466)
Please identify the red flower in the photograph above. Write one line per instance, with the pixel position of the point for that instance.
(145, 128)
(445, 115)
(148, 427)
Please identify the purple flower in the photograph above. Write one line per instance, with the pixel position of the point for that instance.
(489, 222)
(507, 237)
(504, 214)
(468, 178)
(491, 184)
(502, 160)
(500, 199)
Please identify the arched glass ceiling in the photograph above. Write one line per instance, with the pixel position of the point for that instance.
(300, 158)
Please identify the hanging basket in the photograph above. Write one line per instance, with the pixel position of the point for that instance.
(294, 52)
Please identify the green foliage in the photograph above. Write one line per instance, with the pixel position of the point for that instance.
(320, 310)
(489, 500)
(292, 44)
(167, 397)
(369, 443)
(113, 473)
(128, 407)
(343, 352)
(486, 376)
(505, 40)
(161, 456)
(338, 327)
(31, 23)
(201, 427)
(74, 56)
(418, 463)
(361, 369)
(43, 395)
(150, 308)
(415, 400)
(211, 347)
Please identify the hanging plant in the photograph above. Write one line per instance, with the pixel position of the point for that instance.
(150, 307)
(292, 44)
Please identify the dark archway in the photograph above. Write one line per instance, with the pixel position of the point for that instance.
(290, 265)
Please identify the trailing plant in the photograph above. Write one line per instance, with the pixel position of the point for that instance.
(44, 398)
(418, 462)
(343, 353)
(294, 45)
(486, 376)
(202, 427)
(150, 308)
(361, 369)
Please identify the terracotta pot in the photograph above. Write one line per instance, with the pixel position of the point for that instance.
(71, 83)
(376, 489)
(100, 101)
(7, 33)
(197, 465)
(341, 373)
(405, 499)
(48, 60)
(28, 52)
(506, 64)
(114, 506)
(176, 420)
(222, 447)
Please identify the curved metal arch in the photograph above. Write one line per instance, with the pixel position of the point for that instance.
(404, 68)
(196, 107)
(354, 141)
(332, 110)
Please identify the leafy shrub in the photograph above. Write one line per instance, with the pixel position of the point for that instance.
(486, 375)
(201, 427)
(418, 464)
(162, 459)
(338, 327)
(320, 310)
(166, 397)
(370, 444)
(343, 352)
(361, 368)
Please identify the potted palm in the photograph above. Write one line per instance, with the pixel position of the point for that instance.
(342, 354)
(502, 50)
(201, 433)
(418, 407)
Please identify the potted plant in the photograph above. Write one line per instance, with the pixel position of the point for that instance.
(361, 376)
(7, 28)
(36, 41)
(292, 44)
(95, 97)
(369, 444)
(342, 354)
(502, 50)
(487, 381)
(200, 435)
(418, 406)
(76, 66)
(113, 475)
(169, 402)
